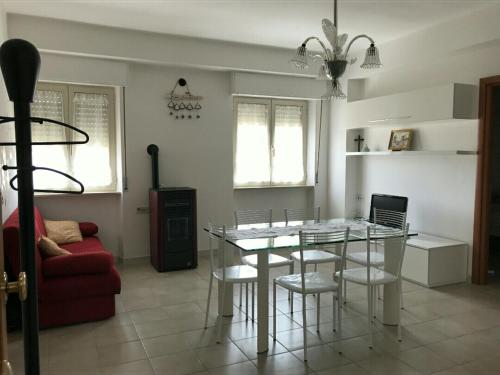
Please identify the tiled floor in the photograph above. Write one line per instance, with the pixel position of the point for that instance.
(159, 330)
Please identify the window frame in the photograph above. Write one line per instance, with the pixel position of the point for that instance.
(271, 104)
(69, 90)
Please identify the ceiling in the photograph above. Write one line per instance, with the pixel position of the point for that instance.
(283, 23)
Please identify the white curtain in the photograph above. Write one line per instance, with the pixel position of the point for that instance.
(91, 161)
(49, 104)
(288, 150)
(252, 160)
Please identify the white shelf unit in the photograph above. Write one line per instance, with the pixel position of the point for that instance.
(433, 261)
(413, 153)
(453, 101)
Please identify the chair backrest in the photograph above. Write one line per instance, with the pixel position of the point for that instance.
(403, 233)
(393, 219)
(217, 234)
(387, 202)
(243, 217)
(301, 214)
(334, 238)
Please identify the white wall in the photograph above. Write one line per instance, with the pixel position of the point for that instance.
(7, 154)
(103, 209)
(195, 153)
(440, 189)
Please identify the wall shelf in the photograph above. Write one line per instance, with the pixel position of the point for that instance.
(412, 153)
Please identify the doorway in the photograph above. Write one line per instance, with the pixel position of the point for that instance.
(486, 243)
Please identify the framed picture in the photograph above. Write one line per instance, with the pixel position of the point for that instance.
(400, 139)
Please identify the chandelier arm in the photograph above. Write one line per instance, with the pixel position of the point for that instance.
(356, 38)
(320, 42)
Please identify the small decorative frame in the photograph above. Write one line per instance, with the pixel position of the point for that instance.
(176, 104)
(400, 139)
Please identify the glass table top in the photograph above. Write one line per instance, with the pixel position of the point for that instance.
(279, 235)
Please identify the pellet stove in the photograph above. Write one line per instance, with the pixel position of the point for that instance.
(173, 241)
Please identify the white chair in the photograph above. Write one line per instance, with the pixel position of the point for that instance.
(301, 214)
(249, 217)
(314, 282)
(312, 256)
(372, 277)
(386, 218)
(241, 274)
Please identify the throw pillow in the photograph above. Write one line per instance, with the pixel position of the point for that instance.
(49, 248)
(62, 232)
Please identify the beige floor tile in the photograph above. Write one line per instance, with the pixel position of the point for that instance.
(182, 363)
(425, 360)
(171, 326)
(164, 312)
(351, 369)
(458, 351)
(241, 330)
(285, 363)
(423, 333)
(82, 359)
(141, 367)
(294, 339)
(484, 366)
(120, 353)
(164, 345)
(243, 368)
(116, 334)
(356, 349)
(454, 371)
(220, 355)
(206, 337)
(283, 323)
(249, 347)
(148, 315)
(387, 342)
(386, 365)
(322, 357)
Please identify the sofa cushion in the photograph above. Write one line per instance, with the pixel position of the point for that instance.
(88, 245)
(49, 248)
(78, 264)
(88, 229)
(63, 231)
(81, 286)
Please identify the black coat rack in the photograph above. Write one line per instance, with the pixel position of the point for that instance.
(20, 64)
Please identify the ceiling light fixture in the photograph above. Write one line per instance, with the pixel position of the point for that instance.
(335, 60)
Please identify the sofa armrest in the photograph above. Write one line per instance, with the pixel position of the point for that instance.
(78, 264)
(88, 229)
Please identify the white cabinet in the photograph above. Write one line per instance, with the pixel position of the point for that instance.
(451, 101)
(433, 261)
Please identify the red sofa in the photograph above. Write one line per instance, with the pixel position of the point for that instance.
(74, 288)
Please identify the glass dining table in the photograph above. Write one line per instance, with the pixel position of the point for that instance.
(261, 239)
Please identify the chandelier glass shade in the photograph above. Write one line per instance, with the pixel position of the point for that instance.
(334, 59)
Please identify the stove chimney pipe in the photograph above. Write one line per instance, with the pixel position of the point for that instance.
(153, 151)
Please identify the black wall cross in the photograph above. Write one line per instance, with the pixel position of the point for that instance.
(358, 139)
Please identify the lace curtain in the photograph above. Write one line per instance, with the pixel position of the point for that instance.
(49, 104)
(262, 160)
(89, 163)
(252, 159)
(288, 155)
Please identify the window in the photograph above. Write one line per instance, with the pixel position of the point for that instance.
(269, 142)
(89, 108)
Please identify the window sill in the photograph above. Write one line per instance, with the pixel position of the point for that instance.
(97, 193)
(272, 187)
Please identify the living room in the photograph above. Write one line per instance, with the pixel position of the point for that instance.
(150, 54)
